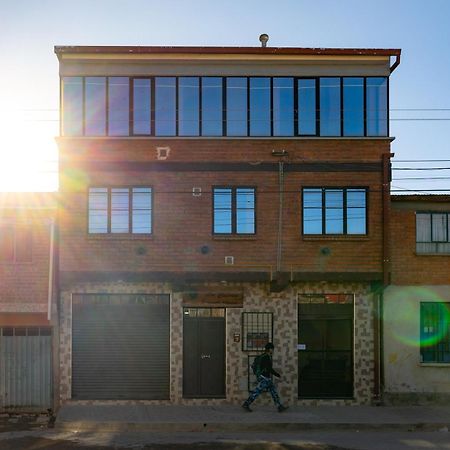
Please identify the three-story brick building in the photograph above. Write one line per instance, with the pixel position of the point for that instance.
(214, 199)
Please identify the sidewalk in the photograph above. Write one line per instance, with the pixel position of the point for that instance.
(175, 418)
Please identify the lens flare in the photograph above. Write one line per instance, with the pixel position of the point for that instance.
(402, 317)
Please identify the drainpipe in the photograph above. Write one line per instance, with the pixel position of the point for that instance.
(280, 214)
(50, 269)
(386, 199)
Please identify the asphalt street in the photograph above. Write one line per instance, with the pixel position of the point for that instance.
(339, 440)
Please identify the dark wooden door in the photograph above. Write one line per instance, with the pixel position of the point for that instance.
(203, 353)
(325, 356)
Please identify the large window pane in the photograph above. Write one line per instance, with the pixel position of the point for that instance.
(245, 210)
(118, 106)
(307, 107)
(120, 208)
(188, 106)
(356, 211)
(72, 106)
(212, 106)
(95, 106)
(439, 227)
(165, 106)
(237, 106)
(222, 210)
(377, 106)
(353, 106)
(260, 107)
(330, 107)
(283, 106)
(142, 211)
(334, 211)
(312, 211)
(98, 210)
(423, 227)
(142, 106)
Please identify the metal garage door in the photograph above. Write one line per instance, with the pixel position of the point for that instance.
(120, 347)
(25, 368)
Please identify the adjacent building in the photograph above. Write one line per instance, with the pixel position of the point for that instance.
(216, 198)
(416, 307)
(27, 300)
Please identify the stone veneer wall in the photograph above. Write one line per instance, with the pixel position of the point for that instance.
(256, 298)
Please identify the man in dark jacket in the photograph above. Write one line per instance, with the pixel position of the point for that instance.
(264, 374)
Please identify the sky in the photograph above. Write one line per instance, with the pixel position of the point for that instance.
(29, 87)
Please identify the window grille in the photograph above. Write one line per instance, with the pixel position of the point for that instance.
(435, 332)
(257, 330)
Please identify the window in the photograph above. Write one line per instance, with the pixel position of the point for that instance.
(212, 106)
(257, 330)
(15, 243)
(142, 97)
(118, 106)
(120, 210)
(234, 210)
(188, 106)
(283, 106)
(260, 107)
(334, 211)
(307, 107)
(165, 106)
(353, 106)
(72, 111)
(435, 332)
(330, 106)
(433, 232)
(232, 106)
(95, 106)
(237, 106)
(377, 106)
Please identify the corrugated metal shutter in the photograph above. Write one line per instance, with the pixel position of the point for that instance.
(25, 369)
(120, 347)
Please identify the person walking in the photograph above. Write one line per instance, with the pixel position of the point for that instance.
(263, 370)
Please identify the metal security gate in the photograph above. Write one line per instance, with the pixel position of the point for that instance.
(325, 356)
(120, 347)
(25, 368)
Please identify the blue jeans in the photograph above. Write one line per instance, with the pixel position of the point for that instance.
(264, 384)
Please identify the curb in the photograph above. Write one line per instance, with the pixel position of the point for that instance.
(183, 427)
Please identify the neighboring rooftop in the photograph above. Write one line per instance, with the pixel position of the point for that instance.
(421, 197)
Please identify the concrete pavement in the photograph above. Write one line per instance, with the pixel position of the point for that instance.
(231, 418)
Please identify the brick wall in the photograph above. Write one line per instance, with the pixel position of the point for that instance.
(24, 285)
(408, 268)
(183, 223)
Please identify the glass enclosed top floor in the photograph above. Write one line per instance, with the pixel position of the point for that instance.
(215, 106)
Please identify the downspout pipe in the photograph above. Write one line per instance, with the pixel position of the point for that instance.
(280, 215)
(51, 269)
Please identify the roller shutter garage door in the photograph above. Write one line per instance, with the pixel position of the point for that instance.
(120, 347)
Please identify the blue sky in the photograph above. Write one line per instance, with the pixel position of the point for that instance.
(29, 77)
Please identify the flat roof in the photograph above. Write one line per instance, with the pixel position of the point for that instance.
(73, 49)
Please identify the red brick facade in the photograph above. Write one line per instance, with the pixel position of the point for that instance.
(408, 267)
(182, 223)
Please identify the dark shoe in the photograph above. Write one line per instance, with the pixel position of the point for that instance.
(282, 408)
(246, 407)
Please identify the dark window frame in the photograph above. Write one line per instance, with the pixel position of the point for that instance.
(344, 189)
(234, 189)
(109, 189)
(431, 241)
(434, 340)
(296, 133)
(266, 319)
